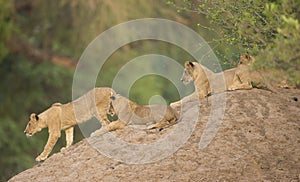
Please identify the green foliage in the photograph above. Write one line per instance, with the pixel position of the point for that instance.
(6, 26)
(150, 85)
(26, 87)
(284, 53)
(268, 29)
(65, 28)
(71, 25)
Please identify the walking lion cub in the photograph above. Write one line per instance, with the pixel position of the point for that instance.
(62, 117)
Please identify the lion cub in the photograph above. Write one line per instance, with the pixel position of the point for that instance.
(205, 81)
(245, 78)
(62, 117)
(130, 113)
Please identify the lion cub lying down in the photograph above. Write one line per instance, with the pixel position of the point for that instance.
(62, 117)
(130, 113)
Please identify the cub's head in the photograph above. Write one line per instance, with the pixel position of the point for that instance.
(34, 125)
(188, 72)
(121, 104)
(246, 59)
(116, 101)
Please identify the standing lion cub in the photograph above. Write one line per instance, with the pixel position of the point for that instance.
(62, 117)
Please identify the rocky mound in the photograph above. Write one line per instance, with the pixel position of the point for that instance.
(259, 139)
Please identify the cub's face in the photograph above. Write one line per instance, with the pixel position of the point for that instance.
(111, 110)
(187, 75)
(113, 105)
(246, 59)
(121, 104)
(33, 125)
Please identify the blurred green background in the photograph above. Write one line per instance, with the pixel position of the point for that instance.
(42, 40)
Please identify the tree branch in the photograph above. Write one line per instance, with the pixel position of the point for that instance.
(17, 46)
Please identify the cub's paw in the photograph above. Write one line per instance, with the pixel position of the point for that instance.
(63, 148)
(231, 88)
(99, 132)
(151, 127)
(40, 158)
(174, 105)
(154, 127)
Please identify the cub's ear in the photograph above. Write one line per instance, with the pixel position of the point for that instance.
(247, 56)
(189, 64)
(112, 97)
(112, 93)
(34, 116)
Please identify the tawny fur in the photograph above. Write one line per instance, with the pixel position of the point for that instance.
(62, 117)
(205, 81)
(131, 113)
(246, 78)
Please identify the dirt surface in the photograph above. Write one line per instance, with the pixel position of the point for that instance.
(258, 140)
